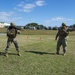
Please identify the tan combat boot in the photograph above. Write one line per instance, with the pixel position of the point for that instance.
(18, 53)
(6, 54)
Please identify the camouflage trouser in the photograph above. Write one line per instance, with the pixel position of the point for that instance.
(62, 42)
(9, 42)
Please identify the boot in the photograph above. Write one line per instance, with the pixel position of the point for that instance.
(6, 54)
(64, 52)
(57, 53)
(18, 53)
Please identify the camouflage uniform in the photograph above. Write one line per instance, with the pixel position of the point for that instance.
(12, 39)
(62, 40)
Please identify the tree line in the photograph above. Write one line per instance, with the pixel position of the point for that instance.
(42, 27)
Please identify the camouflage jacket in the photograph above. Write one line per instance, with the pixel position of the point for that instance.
(62, 33)
(12, 32)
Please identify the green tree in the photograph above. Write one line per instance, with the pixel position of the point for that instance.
(31, 25)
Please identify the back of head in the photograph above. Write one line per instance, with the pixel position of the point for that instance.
(12, 24)
(63, 24)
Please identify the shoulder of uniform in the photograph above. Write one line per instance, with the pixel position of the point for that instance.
(60, 29)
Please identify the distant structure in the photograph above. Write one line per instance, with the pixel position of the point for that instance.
(32, 27)
(3, 24)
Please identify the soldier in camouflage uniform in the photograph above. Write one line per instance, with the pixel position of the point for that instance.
(62, 40)
(12, 38)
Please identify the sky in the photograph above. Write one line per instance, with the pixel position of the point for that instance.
(42, 12)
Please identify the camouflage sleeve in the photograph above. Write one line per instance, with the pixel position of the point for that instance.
(66, 32)
(7, 32)
(18, 31)
(57, 35)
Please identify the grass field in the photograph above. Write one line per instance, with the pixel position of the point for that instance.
(37, 56)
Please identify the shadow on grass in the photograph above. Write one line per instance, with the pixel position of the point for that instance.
(3, 53)
(40, 53)
(12, 54)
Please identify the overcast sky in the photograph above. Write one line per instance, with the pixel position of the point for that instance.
(45, 12)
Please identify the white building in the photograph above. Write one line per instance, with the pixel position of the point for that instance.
(3, 24)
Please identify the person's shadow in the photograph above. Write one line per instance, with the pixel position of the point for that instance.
(40, 53)
(3, 53)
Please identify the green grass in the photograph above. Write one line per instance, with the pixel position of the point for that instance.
(32, 32)
(37, 56)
